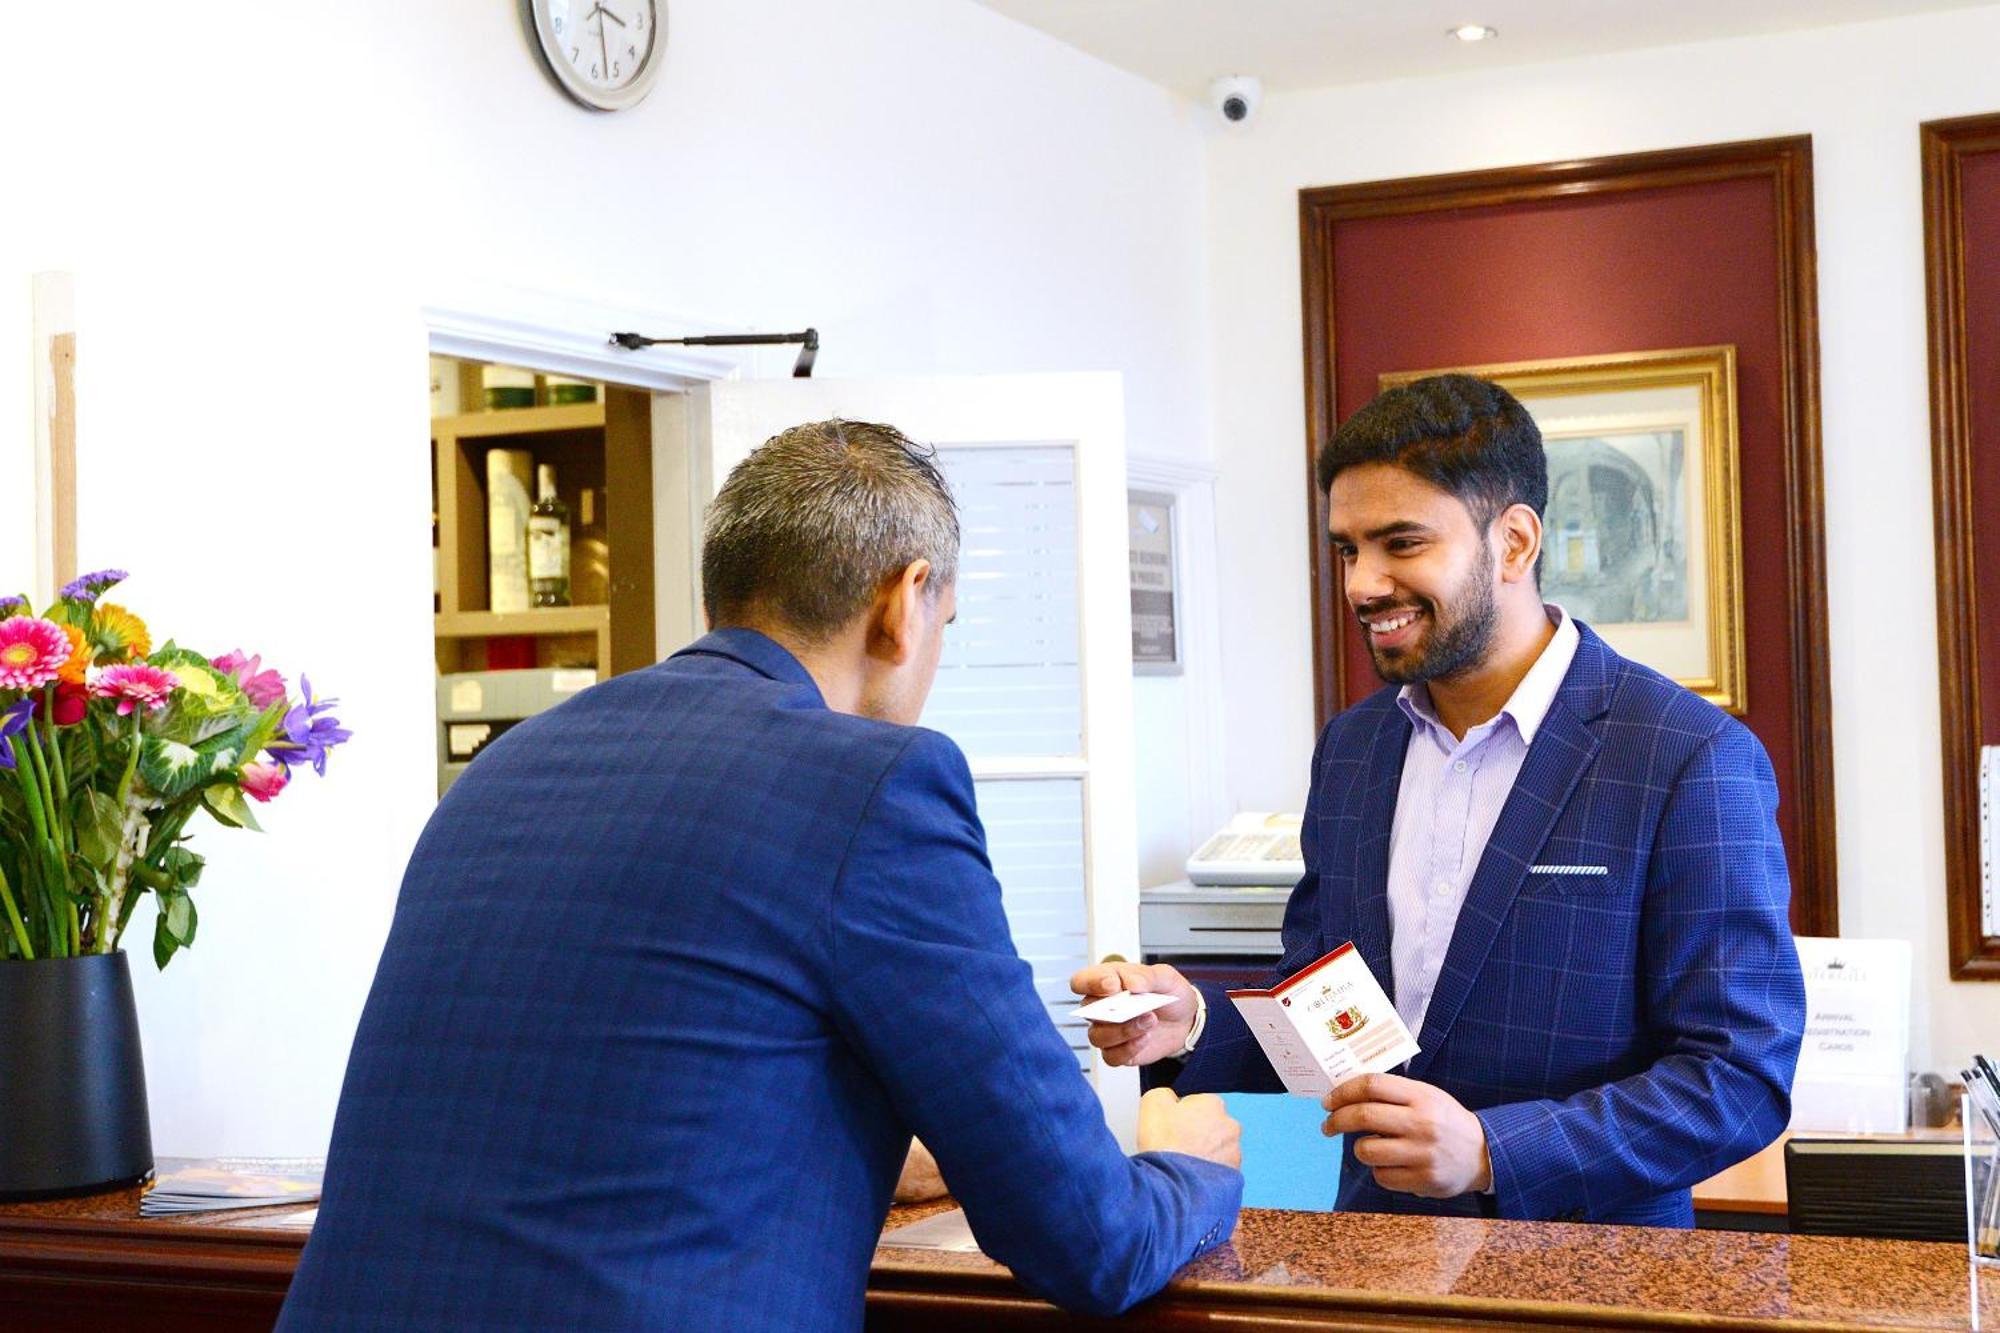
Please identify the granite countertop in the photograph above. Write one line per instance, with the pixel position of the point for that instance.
(1467, 1267)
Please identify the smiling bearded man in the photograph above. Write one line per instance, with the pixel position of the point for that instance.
(1566, 868)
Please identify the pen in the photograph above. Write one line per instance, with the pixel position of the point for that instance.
(1985, 1067)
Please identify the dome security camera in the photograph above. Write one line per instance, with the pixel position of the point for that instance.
(1235, 97)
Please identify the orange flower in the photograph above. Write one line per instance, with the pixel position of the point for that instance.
(118, 634)
(72, 671)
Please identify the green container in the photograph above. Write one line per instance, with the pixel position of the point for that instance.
(505, 396)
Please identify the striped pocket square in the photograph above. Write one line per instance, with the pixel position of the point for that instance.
(1569, 870)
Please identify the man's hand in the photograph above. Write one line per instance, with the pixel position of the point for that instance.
(1414, 1137)
(1148, 1037)
(920, 1179)
(1197, 1126)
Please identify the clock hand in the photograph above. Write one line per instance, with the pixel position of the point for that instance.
(608, 14)
(604, 51)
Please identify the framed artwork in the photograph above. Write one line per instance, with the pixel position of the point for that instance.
(1961, 172)
(1642, 538)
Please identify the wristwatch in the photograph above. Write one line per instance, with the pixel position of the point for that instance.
(1194, 1028)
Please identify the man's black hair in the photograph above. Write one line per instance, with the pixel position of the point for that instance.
(1462, 434)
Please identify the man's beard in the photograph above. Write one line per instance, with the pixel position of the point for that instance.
(1448, 649)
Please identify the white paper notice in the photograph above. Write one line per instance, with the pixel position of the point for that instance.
(1326, 1023)
(1853, 1069)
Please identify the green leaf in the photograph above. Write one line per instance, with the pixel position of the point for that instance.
(86, 881)
(79, 755)
(174, 928)
(175, 768)
(98, 825)
(164, 944)
(182, 867)
(179, 913)
(225, 801)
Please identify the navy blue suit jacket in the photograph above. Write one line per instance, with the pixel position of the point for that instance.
(676, 970)
(1621, 1036)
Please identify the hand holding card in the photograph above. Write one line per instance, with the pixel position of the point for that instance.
(1156, 1032)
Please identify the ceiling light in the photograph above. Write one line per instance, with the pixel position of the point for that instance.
(1474, 32)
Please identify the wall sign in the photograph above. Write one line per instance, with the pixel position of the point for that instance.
(1156, 643)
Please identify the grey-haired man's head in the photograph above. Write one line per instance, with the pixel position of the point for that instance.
(808, 527)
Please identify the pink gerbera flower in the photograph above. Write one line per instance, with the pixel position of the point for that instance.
(32, 652)
(136, 685)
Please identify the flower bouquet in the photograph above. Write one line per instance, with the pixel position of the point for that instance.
(108, 747)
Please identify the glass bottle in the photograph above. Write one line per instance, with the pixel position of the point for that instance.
(548, 542)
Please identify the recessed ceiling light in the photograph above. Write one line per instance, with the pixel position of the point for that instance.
(1475, 32)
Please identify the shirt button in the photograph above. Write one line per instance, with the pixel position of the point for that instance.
(1441, 888)
(1459, 767)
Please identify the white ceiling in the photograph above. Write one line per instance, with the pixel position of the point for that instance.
(1183, 44)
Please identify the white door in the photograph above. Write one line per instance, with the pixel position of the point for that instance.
(1036, 680)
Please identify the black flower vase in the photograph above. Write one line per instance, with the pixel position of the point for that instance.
(72, 1081)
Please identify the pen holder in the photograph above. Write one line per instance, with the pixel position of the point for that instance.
(1982, 1186)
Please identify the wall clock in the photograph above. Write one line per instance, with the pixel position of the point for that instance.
(604, 53)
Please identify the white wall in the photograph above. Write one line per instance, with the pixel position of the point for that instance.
(1861, 92)
(256, 212)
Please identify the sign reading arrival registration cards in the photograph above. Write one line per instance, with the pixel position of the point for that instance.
(1326, 1023)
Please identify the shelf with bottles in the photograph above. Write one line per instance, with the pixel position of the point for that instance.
(596, 451)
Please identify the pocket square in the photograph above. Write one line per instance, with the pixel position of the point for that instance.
(1569, 870)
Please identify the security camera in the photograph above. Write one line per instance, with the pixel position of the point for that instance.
(1235, 97)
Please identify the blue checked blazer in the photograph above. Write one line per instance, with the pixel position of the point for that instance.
(1620, 1036)
(676, 970)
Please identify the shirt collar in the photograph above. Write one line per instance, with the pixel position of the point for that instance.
(1531, 699)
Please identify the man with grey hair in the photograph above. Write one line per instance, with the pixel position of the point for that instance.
(680, 966)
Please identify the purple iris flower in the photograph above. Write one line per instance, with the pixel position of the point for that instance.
(14, 720)
(87, 588)
(308, 734)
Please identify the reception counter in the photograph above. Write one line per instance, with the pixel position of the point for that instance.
(93, 1264)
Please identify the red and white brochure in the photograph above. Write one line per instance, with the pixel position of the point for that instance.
(1326, 1023)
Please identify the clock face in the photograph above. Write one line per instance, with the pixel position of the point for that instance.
(604, 53)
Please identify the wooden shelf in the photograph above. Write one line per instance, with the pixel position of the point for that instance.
(605, 447)
(541, 620)
(521, 421)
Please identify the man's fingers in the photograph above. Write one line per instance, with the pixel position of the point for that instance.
(1108, 979)
(1104, 1036)
(1388, 1088)
(1371, 1118)
(1407, 1180)
(1379, 1151)
(1088, 981)
(1130, 1053)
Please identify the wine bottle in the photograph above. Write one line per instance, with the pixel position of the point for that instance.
(548, 542)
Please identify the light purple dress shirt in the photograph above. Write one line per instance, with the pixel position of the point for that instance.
(1450, 798)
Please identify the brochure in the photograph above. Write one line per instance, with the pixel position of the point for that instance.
(1326, 1023)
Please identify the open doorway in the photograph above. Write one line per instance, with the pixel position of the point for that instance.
(542, 529)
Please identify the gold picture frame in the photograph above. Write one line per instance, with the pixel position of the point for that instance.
(1637, 442)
